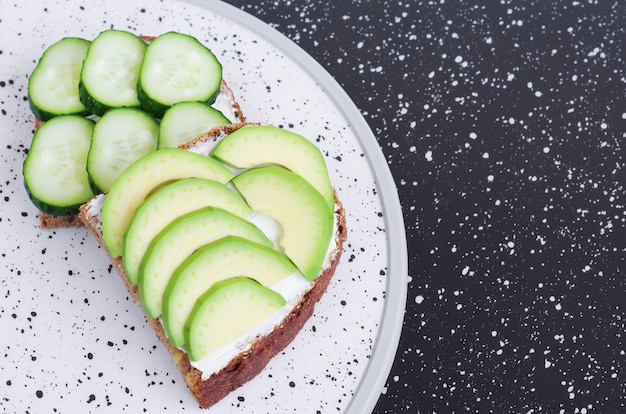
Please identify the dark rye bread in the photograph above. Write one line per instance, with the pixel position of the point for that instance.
(47, 221)
(250, 363)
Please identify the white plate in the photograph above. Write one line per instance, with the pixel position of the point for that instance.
(73, 341)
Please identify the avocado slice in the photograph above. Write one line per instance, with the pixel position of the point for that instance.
(228, 257)
(144, 176)
(306, 220)
(226, 311)
(165, 205)
(253, 146)
(179, 240)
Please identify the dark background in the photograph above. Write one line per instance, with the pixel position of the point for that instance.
(504, 126)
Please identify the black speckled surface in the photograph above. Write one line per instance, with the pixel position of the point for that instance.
(504, 124)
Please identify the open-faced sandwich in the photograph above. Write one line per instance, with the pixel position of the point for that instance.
(226, 239)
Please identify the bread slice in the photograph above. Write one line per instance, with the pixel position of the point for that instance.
(246, 365)
(225, 102)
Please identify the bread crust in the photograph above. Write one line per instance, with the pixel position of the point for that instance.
(250, 363)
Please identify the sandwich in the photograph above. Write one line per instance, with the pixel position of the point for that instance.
(226, 241)
(218, 257)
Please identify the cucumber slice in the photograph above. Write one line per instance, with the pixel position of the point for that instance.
(225, 258)
(178, 241)
(228, 310)
(110, 71)
(177, 68)
(54, 169)
(120, 137)
(53, 85)
(132, 187)
(168, 203)
(185, 121)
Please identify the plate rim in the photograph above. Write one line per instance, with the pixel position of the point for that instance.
(370, 387)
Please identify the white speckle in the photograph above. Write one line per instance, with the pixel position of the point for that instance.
(603, 125)
(488, 40)
(428, 155)
(594, 52)
(547, 364)
(546, 150)
(494, 333)
(431, 75)
(419, 299)
(538, 94)
(359, 45)
(458, 59)
(473, 135)
(465, 270)
(486, 155)
(510, 244)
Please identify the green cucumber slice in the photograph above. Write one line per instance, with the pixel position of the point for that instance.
(168, 203)
(178, 241)
(225, 312)
(110, 71)
(54, 169)
(228, 257)
(133, 185)
(53, 84)
(177, 68)
(120, 137)
(185, 121)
